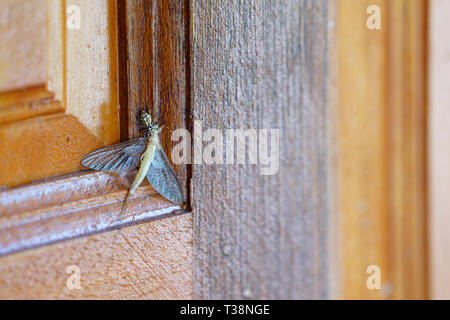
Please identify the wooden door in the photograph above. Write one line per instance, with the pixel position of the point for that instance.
(348, 101)
(71, 73)
(378, 110)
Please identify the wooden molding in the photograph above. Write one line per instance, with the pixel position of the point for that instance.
(407, 147)
(45, 130)
(379, 121)
(27, 103)
(79, 204)
(154, 68)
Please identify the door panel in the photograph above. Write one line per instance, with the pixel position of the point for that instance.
(66, 104)
(23, 51)
(132, 263)
(378, 118)
(45, 129)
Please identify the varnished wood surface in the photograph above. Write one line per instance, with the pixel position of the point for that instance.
(439, 150)
(91, 69)
(407, 106)
(43, 146)
(379, 149)
(148, 261)
(153, 71)
(23, 56)
(27, 103)
(50, 224)
(46, 132)
(69, 207)
(262, 65)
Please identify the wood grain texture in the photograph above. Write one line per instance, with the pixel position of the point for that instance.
(81, 68)
(44, 146)
(56, 49)
(41, 147)
(153, 61)
(148, 261)
(379, 167)
(23, 104)
(362, 168)
(407, 107)
(68, 207)
(23, 51)
(439, 150)
(262, 65)
(91, 71)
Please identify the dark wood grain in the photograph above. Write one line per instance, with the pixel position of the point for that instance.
(153, 67)
(262, 65)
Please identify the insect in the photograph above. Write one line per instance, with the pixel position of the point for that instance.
(146, 153)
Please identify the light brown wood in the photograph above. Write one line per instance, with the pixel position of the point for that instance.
(46, 130)
(153, 56)
(23, 51)
(148, 261)
(262, 65)
(82, 81)
(379, 186)
(439, 150)
(362, 169)
(91, 72)
(407, 149)
(31, 102)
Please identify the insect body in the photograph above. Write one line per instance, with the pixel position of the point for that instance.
(145, 152)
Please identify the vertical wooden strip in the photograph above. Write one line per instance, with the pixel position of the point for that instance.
(407, 146)
(138, 39)
(153, 67)
(361, 175)
(439, 149)
(22, 63)
(262, 65)
(380, 180)
(170, 73)
(56, 49)
(335, 261)
(146, 261)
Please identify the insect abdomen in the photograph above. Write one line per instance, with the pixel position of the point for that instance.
(146, 161)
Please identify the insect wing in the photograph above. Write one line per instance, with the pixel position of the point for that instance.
(162, 177)
(120, 157)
